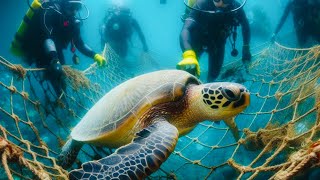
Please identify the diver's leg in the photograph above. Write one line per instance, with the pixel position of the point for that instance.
(47, 75)
(56, 78)
(317, 30)
(118, 48)
(216, 56)
(61, 57)
(123, 50)
(55, 83)
(316, 35)
(301, 37)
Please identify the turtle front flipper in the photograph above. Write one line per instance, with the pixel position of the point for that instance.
(144, 155)
(233, 127)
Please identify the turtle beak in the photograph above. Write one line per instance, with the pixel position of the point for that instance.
(243, 101)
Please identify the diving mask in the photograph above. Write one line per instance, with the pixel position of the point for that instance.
(224, 1)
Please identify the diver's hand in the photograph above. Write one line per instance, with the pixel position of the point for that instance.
(246, 56)
(189, 63)
(100, 60)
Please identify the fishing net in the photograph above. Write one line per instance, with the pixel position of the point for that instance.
(279, 130)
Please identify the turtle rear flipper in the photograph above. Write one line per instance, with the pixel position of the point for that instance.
(69, 153)
(137, 160)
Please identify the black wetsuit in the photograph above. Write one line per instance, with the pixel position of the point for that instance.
(117, 31)
(306, 19)
(49, 24)
(211, 31)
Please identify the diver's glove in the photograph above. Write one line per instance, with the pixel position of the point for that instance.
(189, 63)
(101, 61)
(55, 69)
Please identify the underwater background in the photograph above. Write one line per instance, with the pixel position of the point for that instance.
(161, 25)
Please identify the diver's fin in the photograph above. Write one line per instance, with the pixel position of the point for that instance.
(69, 153)
(144, 155)
(233, 127)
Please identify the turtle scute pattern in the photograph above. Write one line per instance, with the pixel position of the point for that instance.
(125, 101)
(137, 160)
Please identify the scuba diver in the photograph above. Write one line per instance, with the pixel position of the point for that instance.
(45, 31)
(118, 28)
(306, 19)
(207, 28)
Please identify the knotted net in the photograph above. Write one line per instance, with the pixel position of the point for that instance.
(279, 129)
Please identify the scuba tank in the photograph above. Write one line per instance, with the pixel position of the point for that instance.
(23, 31)
(16, 45)
(190, 3)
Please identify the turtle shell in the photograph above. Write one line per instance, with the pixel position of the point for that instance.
(118, 111)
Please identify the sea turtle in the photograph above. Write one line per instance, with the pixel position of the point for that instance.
(143, 117)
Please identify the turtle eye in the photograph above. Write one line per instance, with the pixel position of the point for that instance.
(230, 95)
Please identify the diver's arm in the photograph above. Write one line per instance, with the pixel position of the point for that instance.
(284, 17)
(246, 54)
(140, 34)
(81, 46)
(245, 28)
(186, 35)
(191, 26)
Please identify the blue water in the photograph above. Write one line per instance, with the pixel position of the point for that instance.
(161, 25)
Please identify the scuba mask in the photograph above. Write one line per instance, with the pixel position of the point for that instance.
(120, 11)
(71, 8)
(224, 1)
(72, 5)
(219, 11)
(68, 8)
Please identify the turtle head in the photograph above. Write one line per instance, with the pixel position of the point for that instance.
(222, 100)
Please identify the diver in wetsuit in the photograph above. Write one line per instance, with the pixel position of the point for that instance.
(49, 32)
(118, 29)
(306, 19)
(203, 31)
